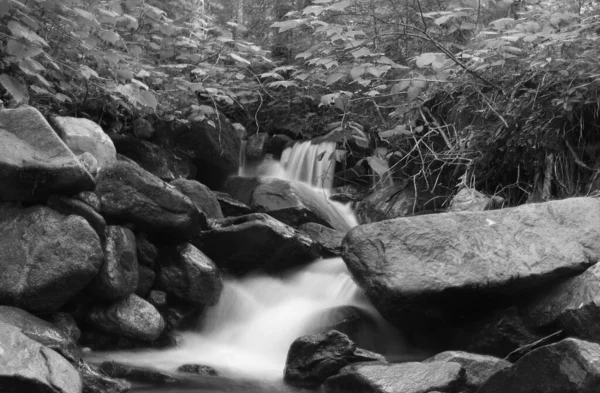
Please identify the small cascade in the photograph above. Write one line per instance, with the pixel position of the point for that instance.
(310, 163)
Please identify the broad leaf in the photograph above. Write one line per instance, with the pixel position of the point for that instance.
(20, 31)
(334, 78)
(14, 87)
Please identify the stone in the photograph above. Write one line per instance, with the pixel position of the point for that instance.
(429, 267)
(118, 276)
(130, 194)
(97, 382)
(142, 129)
(569, 366)
(329, 239)
(478, 368)
(46, 257)
(468, 199)
(277, 144)
(188, 274)
(27, 366)
(89, 198)
(157, 298)
(34, 161)
(145, 281)
(410, 377)
(232, 207)
(69, 206)
(137, 374)
(161, 162)
(525, 349)
(84, 136)
(181, 316)
(256, 146)
(204, 199)
(261, 243)
(130, 317)
(197, 369)
(66, 324)
(314, 358)
(146, 251)
(90, 163)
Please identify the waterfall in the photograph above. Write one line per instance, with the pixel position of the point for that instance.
(310, 163)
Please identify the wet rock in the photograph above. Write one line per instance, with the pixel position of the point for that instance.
(313, 358)
(89, 198)
(67, 325)
(569, 366)
(131, 317)
(261, 242)
(328, 238)
(118, 276)
(34, 162)
(84, 136)
(277, 144)
(436, 266)
(136, 374)
(478, 368)
(181, 316)
(197, 369)
(145, 281)
(27, 366)
(142, 129)
(204, 199)
(146, 251)
(130, 194)
(161, 162)
(232, 207)
(255, 149)
(409, 377)
(46, 257)
(69, 206)
(97, 382)
(188, 274)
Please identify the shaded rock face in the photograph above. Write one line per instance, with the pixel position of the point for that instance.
(98, 382)
(232, 207)
(261, 243)
(409, 377)
(130, 194)
(118, 276)
(428, 266)
(84, 136)
(146, 251)
(329, 239)
(189, 274)
(277, 144)
(204, 199)
(68, 206)
(145, 281)
(136, 374)
(34, 162)
(131, 317)
(159, 161)
(313, 358)
(27, 366)
(255, 149)
(67, 325)
(46, 257)
(569, 366)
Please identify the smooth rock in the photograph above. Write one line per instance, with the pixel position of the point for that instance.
(27, 366)
(232, 207)
(188, 274)
(84, 136)
(46, 257)
(130, 194)
(204, 199)
(261, 242)
(146, 279)
(34, 161)
(131, 317)
(136, 374)
(69, 206)
(330, 239)
(313, 358)
(569, 366)
(118, 276)
(255, 148)
(197, 369)
(411, 377)
(436, 266)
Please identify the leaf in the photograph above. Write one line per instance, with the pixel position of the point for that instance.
(440, 21)
(426, 59)
(272, 75)
(285, 84)
(357, 72)
(30, 66)
(361, 52)
(379, 165)
(313, 9)
(400, 129)
(40, 90)
(328, 99)
(136, 50)
(288, 24)
(4, 7)
(87, 72)
(340, 104)
(62, 98)
(412, 92)
(22, 50)
(14, 87)
(87, 18)
(334, 78)
(20, 31)
(139, 84)
(339, 6)
(109, 36)
(239, 58)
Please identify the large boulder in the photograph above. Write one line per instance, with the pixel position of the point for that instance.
(204, 199)
(189, 275)
(260, 243)
(130, 317)
(329, 239)
(68, 206)
(255, 148)
(130, 194)
(231, 207)
(46, 257)
(444, 265)
(34, 161)
(569, 366)
(84, 136)
(409, 377)
(314, 358)
(27, 366)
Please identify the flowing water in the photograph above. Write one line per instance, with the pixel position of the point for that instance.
(246, 336)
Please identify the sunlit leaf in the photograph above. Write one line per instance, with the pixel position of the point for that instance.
(285, 84)
(87, 72)
(239, 58)
(340, 6)
(14, 87)
(361, 52)
(357, 72)
(40, 90)
(334, 78)
(440, 21)
(314, 9)
(22, 50)
(87, 18)
(20, 31)
(412, 93)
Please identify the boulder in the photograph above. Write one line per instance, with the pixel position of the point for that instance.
(69, 206)
(34, 161)
(145, 281)
(46, 257)
(188, 274)
(204, 199)
(130, 194)
(256, 146)
(329, 239)
(569, 366)
(136, 374)
(478, 368)
(161, 162)
(146, 251)
(130, 317)
(232, 207)
(411, 377)
(314, 358)
(118, 276)
(157, 298)
(97, 382)
(441, 266)
(27, 366)
(67, 325)
(261, 242)
(197, 369)
(179, 315)
(143, 129)
(89, 198)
